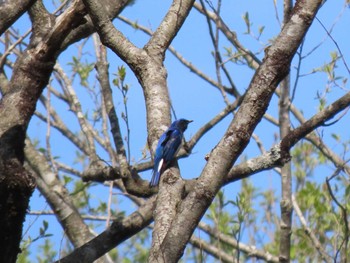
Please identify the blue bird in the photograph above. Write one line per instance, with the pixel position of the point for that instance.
(168, 145)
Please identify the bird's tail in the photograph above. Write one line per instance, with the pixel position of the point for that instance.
(155, 179)
(157, 170)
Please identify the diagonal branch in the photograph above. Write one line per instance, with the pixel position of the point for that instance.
(58, 197)
(168, 28)
(273, 69)
(10, 11)
(249, 250)
(110, 36)
(317, 120)
(279, 154)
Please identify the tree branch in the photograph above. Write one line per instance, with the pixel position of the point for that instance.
(168, 28)
(317, 120)
(273, 69)
(248, 250)
(58, 197)
(279, 154)
(286, 170)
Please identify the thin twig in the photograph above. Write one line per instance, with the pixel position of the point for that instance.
(345, 241)
(336, 44)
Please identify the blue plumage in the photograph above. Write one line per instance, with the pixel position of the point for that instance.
(168, 145)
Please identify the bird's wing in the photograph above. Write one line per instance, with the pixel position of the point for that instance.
(167, 147)
(171, 144)
(158, 159)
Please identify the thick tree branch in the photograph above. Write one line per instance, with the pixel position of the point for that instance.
(254, 62)
(168, 28)
(270, 73)
(29, 77)
(10, 11)
(112, 8)
(110, 36)
(150, 71)
(286, 170)
(147, 65)
(179, 57)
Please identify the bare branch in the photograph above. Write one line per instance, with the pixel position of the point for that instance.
(317, 141)
(103, 77)
(248, 250)
(212, 250)
(317, 120)
(279, 154)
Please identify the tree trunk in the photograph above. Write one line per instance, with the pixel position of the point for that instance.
(16, 187)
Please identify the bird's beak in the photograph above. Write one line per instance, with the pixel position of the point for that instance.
(190, 121)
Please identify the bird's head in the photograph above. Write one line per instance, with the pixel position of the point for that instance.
(181, 124)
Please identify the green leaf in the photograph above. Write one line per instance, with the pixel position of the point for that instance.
(45, 224)
(261, 29)
(335, 137)
(121, 73)
(247, 22)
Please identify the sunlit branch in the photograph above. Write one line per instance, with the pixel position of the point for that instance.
(279, 154)
(216, 252)
(185, 62)
(168, 28)
(68, 169)
(250, 251)
(317, 141)
(76, 108)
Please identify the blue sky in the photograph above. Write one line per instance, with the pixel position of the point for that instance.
(195, 99)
